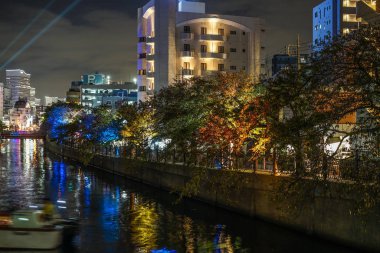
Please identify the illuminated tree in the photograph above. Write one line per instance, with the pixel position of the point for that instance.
(137, 125)
(56, 119)
(236, 119)
(96, 127)
(2, 126)
(179, 111)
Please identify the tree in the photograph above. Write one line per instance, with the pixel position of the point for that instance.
(57, 117)
(236, 118)
(137, 125)
(2, 126)
(179, 112)
(316, 106)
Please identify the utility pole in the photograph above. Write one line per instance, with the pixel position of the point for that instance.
(298, 53)
(295, 51)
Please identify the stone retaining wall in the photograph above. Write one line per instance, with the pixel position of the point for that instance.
(331, 218)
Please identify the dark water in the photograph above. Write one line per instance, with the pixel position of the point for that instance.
(118, 215)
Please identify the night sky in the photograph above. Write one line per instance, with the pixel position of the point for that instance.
(100, 35)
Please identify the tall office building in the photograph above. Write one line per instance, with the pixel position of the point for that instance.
(336, 17)
(18, 86)
(1, 101)
(177, 39)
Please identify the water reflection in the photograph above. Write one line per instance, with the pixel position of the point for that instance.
(122, 216)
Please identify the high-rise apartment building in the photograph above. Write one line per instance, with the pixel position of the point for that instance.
(177, 39)
(17, 86)
(336, 17)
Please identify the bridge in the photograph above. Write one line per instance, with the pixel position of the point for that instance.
(22, 135)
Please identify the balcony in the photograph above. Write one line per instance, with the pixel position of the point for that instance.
(142, 39)
(208, 55)
(150, 57)
(187, 72)
(209, 72)
(149, 40)
(150, 74)
(187, 36)
(187, 54)
(212, 37)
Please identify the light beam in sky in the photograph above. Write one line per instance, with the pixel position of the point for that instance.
(40, 33)
(27, 28)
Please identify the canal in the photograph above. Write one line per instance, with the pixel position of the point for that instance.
(118, 215)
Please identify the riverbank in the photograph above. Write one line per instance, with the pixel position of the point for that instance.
(330, 218)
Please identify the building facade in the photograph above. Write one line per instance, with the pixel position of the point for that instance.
(1, 101)
(369, 11)
(96, 78)
(112, 95)
(285, 61)
(21, 116)
(336, 17)
(73, 94)
(177, 39)
(17, 86)
(48, 101)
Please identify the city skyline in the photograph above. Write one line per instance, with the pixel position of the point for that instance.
(98, 36)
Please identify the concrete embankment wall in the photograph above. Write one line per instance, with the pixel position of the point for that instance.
(328, 217)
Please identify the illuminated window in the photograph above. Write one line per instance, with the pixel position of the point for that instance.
(186, 65)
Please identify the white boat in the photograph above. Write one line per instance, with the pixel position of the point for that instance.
(26, 229)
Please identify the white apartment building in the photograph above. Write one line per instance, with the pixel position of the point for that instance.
(337, 17)
(369, 12)
(18, 86)
(177, 39)
(48, 101)
(21, 116)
